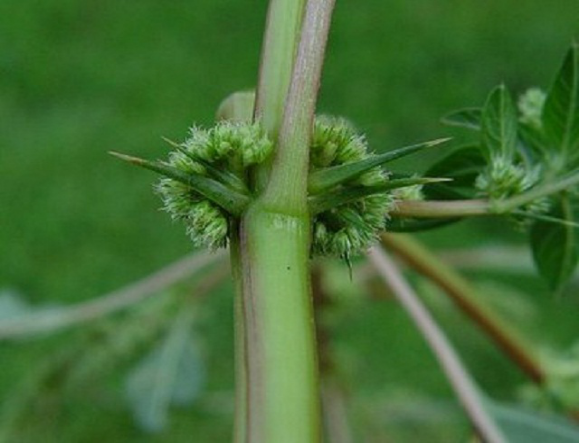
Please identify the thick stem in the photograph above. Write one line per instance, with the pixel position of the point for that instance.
(287, 187)
(282, 391)
(458, 289)
(281, 355)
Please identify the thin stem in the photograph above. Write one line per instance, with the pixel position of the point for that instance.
(463, 295)
(280, 43)
(283, 389)
(464, 386)
(123, 298)
(282, 31)
(287, 187)
(441, 209)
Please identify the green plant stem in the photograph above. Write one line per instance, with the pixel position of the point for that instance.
(287, 187)
(283, 389)
(463, 295)
(280, 43)
(281, 353)
(441, 209)
(478, 207)
(284, 19)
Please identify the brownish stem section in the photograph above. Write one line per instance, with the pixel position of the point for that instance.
(459, 290)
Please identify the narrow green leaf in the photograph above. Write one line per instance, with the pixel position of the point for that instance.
(561, 112)
(555, 245)
(233, 202)
(465, 118)
(499, 125)
(524, 426)
(418, 225)
(327, 178)
(462, 166)
(324, 202)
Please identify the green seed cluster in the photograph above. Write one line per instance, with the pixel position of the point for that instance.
(351, 228)
(229, 148)
(233, 147)
(503, 179)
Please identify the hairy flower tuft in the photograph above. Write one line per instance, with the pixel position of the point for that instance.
(503, 179)
(350, 228)
(228, 148)
(530, 105)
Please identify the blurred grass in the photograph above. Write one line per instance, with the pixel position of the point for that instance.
(78, 78)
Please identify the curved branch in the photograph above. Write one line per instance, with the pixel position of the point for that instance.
(123, 298)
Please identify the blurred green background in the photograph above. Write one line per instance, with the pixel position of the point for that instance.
(81, 77)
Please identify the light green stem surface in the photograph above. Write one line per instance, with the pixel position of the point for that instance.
(282, 403)
(284, 18)
(283, 392)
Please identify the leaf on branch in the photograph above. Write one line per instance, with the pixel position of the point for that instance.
(327, 178)
(171, 375)
(499, 125)
(561, 112)
(469, 118)
(462, 166)
(555, 245)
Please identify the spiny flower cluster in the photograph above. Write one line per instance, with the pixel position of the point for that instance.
(227, 149)
(352, 227)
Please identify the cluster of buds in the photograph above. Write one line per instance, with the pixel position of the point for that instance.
(208, 182)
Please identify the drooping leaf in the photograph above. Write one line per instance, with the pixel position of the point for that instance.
(462, 166)
(561, 112)
(499, 125)
(466, 118)
(524, 426)
(327, 178)
(172, 374)
(555, 246)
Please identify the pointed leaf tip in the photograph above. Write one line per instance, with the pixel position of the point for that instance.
(499, 124)
(325, 179)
